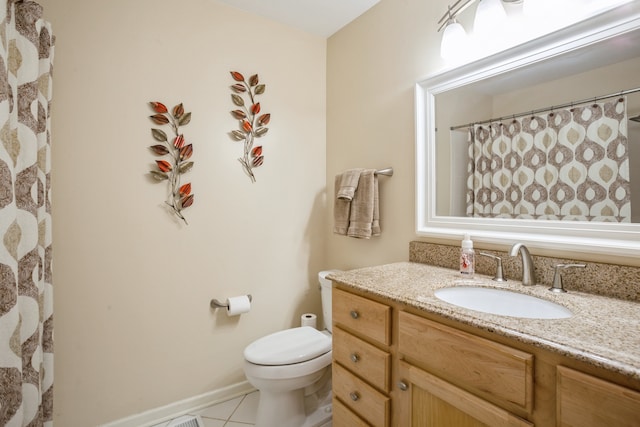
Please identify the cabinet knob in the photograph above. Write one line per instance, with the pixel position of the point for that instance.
(355, 357)
(354, 396)
(355, 314)
(403, 386)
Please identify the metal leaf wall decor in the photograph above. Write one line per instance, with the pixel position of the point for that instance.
(178, 152)
(252, 124)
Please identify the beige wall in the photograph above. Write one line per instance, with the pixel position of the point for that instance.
(133, 327)
(372, 67)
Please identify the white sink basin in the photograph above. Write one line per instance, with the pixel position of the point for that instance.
(502, 302)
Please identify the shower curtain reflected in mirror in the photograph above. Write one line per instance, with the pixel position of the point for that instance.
(569, 164)
(26, 305)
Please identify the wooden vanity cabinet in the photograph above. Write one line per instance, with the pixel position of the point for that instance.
(403, 367)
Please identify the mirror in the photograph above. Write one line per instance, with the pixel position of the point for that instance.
(596, 57)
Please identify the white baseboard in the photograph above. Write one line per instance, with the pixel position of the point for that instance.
(174, 410)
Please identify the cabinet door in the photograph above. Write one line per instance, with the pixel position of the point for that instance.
(587, 401)
(428, 401)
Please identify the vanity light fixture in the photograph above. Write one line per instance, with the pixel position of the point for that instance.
(490, 15)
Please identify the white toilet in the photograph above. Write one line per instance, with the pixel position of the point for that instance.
(288, 367)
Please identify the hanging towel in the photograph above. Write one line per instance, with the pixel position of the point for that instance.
(375, 225)
(341, 210)
(348, 184)
(363, 206)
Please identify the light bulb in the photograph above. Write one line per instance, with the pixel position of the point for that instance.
(490, 17)
(454, 41)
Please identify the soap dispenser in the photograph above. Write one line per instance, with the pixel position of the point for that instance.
(467, 257)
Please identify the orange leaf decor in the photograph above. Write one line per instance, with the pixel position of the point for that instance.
(163, 165)
(180, 196)
(179, 141)
(185, 190)
(250, 125)
(158, 107)
(237, 76)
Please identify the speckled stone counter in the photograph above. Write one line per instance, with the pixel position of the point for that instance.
(603, 331)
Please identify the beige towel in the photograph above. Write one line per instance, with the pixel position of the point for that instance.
(375, 225)
(348, 184)
(363, 206)
(341, 210)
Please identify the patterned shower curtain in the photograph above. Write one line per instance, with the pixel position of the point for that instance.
(26, 305)
(569, 164)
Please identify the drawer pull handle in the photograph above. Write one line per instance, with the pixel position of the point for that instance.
(403, 386)
(355, 357)
(354, 396)
(355, 314)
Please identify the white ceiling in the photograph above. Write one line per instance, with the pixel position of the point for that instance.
(319, 17)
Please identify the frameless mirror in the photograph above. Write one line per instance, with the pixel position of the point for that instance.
(548, 79)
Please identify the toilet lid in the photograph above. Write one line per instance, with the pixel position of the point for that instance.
(289, 346)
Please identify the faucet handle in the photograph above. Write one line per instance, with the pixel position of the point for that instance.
(499, 277)
(557, 276)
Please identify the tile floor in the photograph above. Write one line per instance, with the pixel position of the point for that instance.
(238, 412)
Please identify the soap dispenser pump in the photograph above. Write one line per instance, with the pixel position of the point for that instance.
(467, 257)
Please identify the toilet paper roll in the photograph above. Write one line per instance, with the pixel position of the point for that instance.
(308, 319)
(238, 305)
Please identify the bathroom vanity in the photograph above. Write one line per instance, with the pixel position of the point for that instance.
(403, 357)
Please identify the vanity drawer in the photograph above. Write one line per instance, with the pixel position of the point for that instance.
(343, 417)
(369, 318)
(364, 400)
(502, 372)
(362, 358)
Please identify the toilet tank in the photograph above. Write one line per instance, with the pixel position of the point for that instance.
(325, 292)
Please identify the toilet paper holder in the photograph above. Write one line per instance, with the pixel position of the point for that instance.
(217, 304)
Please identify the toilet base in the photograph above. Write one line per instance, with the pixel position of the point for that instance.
(308, 407)
(285, 409)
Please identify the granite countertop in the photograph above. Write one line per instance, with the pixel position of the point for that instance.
(603, 331)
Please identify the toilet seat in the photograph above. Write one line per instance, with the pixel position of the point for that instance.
(287, 347)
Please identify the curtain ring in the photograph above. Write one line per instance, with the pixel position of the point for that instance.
(514, 121)
(595, 100)
(551, 114)
(571, 107)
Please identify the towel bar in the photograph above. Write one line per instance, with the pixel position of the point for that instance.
(217, 304)
(386, 171)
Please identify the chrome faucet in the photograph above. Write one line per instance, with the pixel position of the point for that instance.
(528, 273)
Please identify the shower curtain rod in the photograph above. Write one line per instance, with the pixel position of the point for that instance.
(553, 107)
